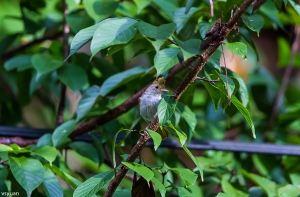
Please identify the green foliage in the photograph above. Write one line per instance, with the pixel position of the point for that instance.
(116, 49)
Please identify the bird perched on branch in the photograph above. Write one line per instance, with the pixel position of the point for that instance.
(148, 102)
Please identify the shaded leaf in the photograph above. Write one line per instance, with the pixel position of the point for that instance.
(188, 6)
(160, 186)
(93, 184)
(45, 63)
(230, 190)
(51, 185)
(100, 9)
(189, 48)
(21, 62)
(72, 76)
(120, 79)
(181, 18)
(85, 149)
(255, 22)
(62, 132)
(27, 171)
(160, 34)
(141, 4)
(188, 115)
(87, 101)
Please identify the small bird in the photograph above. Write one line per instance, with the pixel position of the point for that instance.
(148, 102)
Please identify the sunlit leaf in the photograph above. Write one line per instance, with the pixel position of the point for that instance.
(165, 59)
(166, 109)
(145, 172)
(121, 30)
(155, 137)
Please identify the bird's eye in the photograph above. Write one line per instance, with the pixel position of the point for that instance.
(156, 87)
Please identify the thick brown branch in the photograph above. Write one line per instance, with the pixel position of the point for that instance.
(10, 53)
(17, 140)
(177, 94)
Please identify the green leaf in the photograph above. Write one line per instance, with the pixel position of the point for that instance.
(166, 108)
(214, 94)
(289, 191)
(231, 85)
(5, 148)
(120, 79)
(65, 176)
(121, 30)
(204, 27)
(28, 172)
(47, 152)
(160, 186)
(21, 62)
(230, 190)
(189, 177)
(222, 195)
(178, 133)
(3, 187)
(238, 48)
(245, 113)
(51, 185)
(268, 186)
(166, 59)
(167, 6)
(93, 184)
(194, 160)
(183, 192)
(181, 18)
(295, 6)
(141, 4)
(45, 63)
(100, 9)
(189, 48)
(3, 173)
(87, 101)
(62, 132)
(145, 172)
(100, 149)
(78, 20)
(188, 115)
(160, 34)
(85, 149)
(255, 22)
(156, 137)
(72, 76)
(188, 6)
(242, 91)
(45, 140)
(81, 38)
(112, 50)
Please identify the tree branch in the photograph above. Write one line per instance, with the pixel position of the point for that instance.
(124, 107)
(62, 100)
(10, 53)
(17, 140)
(191, 76)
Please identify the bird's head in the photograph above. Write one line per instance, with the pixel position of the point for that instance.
(157, 88)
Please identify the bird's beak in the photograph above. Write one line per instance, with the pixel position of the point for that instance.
(164, 90)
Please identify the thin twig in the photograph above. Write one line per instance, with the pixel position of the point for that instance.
(208, 80)
(211, 8)
(228, 95)
(191, 76)
(286, 77)
(62, 100)
(172, 41)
